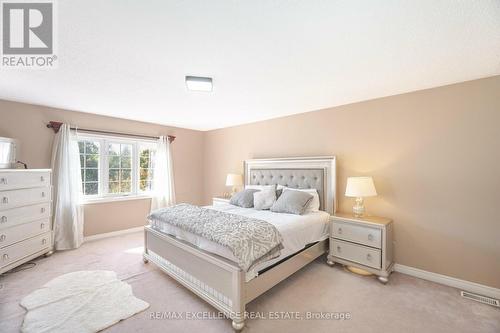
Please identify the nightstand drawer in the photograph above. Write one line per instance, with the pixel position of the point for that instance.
(357, 233)
(358, 253)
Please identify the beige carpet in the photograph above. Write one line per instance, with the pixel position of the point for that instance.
(405, 304)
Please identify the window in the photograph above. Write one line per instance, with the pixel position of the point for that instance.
(114, 167)
(119, 168)
(146, 167)
(89, 161)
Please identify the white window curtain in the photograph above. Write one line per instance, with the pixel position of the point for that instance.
(67, 181)
(163, 188)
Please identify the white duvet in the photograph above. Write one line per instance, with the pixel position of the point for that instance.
(297, 231)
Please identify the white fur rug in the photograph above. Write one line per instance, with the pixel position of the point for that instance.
(85, 301)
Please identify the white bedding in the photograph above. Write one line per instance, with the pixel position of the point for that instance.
(297, 231)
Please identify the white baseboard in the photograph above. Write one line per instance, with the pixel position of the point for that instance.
(449, 281)
(112, 234)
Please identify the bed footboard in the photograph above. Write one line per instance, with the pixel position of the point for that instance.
(217, 281)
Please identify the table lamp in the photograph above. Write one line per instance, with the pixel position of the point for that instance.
(234, 180)
(360, 187)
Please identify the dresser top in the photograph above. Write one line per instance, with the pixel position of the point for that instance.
(25, 170)
(365, 219)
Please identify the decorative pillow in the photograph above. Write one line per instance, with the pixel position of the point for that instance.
(260, 187)
(264, 199)
(292, 202)
(243, 199)
(313, 205)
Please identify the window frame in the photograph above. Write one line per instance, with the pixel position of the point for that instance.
(103, 167)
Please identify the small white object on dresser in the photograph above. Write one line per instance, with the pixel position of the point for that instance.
(219, 201)
(362, 242)
(25, 216)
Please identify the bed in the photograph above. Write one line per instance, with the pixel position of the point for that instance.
(211, 272)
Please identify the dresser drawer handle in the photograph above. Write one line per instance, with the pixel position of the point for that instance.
(340, 231)
(4, 180)
(369, 257)
(42, 209)
(5, 257)
(5, 200)
(44, 241)
(43, 194)
(2, 238)
(339, 248)
(3, 219)
(42, 225)
(370, 237)
(42, 178)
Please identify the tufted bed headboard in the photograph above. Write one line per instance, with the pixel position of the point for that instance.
(304, 172)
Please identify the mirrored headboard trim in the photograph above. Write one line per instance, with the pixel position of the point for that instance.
(303, 172)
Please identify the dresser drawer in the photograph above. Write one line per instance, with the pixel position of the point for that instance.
(358, 253)
(357, 233)
(24, 179)
(23, 231)
(15, 216)
(29, 196)
(23, 249)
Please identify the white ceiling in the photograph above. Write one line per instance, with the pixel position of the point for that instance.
(268, 58)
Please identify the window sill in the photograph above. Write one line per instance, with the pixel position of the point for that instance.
(92, 201)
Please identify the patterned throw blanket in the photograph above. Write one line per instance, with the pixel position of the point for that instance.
(250, 240)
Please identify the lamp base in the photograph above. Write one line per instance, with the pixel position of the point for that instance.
(358, 209)
(358, 271)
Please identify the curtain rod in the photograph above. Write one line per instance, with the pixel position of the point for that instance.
(55, 125)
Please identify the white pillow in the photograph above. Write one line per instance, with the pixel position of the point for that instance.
(313, 205)
(264, 199)
(261, 187)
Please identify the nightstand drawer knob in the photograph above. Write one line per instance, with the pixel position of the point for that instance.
(44, 241)
(4, 181)
(340, 231)
(339, 248)
(370, 237)
(3, 219)
(5, 200)
(5, 257)
(2, 238)
(369, 257)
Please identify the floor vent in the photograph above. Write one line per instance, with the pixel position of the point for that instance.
(480, 299)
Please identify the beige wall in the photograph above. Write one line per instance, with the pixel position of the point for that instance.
(434, 156)
(27, 123)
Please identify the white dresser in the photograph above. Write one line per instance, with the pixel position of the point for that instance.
(25, 216)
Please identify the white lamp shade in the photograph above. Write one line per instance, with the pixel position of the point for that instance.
(360, 187)
(233, 179)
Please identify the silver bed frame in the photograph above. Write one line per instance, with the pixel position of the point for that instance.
(221, 282)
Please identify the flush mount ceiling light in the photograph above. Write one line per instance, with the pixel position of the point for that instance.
(197, 83)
